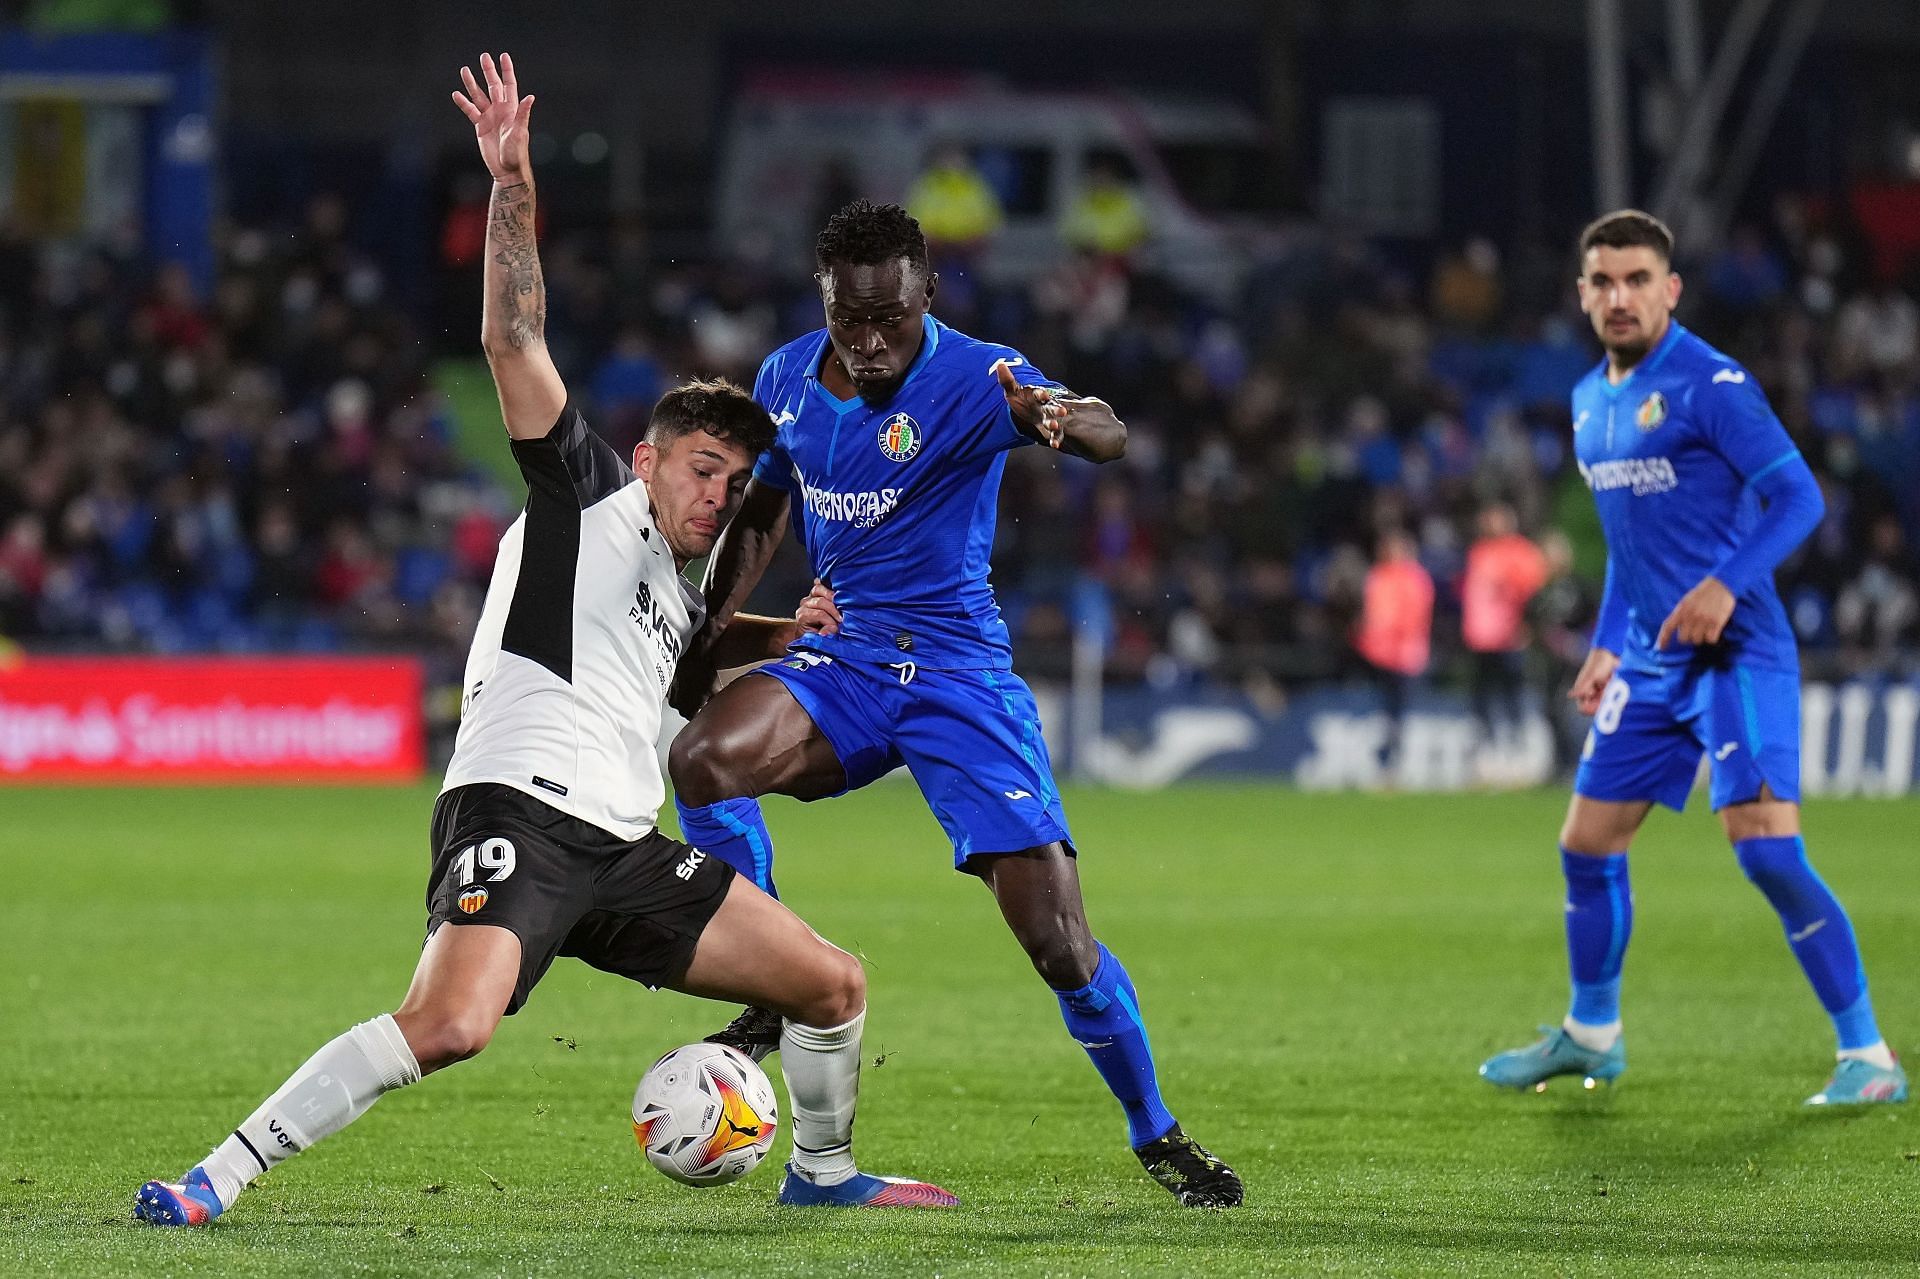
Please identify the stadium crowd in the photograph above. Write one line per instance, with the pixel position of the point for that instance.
(270, 466)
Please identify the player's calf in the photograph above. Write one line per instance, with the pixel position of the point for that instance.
(1103, 1015)
(333, 1088)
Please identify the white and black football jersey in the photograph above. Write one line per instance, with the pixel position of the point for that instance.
(584, 620)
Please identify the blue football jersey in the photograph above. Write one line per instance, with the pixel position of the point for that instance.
(895, 502)
(1670, 454)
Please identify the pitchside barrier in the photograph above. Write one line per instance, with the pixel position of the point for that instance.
(1856, 738)
(268, 719)
(360, 719)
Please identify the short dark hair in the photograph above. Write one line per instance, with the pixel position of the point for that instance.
(868, 234)
(1628, 229)
(717, 407)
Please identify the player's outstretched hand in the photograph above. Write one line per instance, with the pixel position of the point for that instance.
(1041, 409)
(1595, 674)
(1700, 616)
(499, 116)
(818, 614)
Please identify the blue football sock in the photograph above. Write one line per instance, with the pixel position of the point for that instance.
(1818, 930)
(734, 831)
(1599, 921)
(1104, 1015)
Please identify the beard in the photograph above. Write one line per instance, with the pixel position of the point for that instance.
(1628, 351)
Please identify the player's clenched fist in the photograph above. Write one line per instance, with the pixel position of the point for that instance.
(1595, 674)
(499, 115)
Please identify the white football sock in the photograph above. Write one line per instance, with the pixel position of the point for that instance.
(1878, 1054)
(1595, 1039)
(334, 1088)
(823, 1082)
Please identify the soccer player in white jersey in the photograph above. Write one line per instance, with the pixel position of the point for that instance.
(543, 836)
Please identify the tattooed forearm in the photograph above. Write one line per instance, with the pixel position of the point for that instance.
(516, 296)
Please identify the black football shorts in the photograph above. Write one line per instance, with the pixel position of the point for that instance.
(567, 887)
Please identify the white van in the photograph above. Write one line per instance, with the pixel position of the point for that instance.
(1198, 164)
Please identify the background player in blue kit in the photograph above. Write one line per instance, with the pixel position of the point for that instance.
(892, 433)
(1701, 494)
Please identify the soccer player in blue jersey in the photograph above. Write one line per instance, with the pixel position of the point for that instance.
(1701, 494)
(892, 433)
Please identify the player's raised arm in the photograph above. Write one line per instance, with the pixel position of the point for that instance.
(1076, 424)
(514, 313)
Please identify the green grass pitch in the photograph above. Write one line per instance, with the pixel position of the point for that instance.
(1321, 975)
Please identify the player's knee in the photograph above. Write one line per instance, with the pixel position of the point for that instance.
(1065, 957)
(1596, 832)
(440, 1039)
(703, 768)
(1764, 818)
(839, 995)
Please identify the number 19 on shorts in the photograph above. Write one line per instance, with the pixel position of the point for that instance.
(494, 854)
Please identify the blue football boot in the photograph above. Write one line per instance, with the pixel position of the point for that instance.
(187, 1202)
(1861, 1083)
(1555, 1053)
(863, 1191)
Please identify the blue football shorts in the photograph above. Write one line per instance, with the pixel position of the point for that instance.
(971, 739)
(1652, 727)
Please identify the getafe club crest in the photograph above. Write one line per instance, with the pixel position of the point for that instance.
(1653, 411)
(900, 438)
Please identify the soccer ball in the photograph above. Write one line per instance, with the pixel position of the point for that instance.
(705, 1114)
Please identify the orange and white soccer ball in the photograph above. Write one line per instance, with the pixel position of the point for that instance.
(705, 1114)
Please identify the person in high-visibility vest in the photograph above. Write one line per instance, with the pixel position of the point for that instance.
(957, 209)
(1108, 217)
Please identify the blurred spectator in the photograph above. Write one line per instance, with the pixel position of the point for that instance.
(1395, 635)
(1877, 332)
(1108, 217)
(1467, 293)
(957, 209)
(839, 186)
(1504, 571)
(463, 238)
(625, 386)
(1878, 612)
(960, 215)
(733, 325)
(1562, 612)
(1746, 275)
